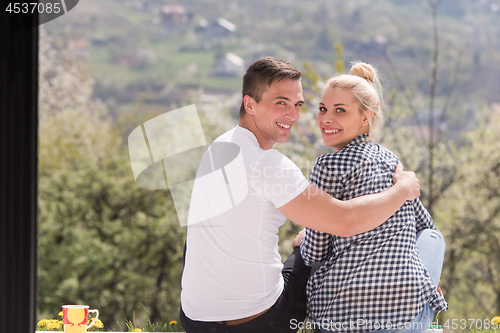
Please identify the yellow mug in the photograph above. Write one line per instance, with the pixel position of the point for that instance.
(75, 318)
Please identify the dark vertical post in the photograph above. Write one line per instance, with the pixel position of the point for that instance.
(18, 176)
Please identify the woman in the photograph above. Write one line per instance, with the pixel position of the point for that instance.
(385, 279)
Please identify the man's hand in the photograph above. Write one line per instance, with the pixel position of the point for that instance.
(298, 239)
(408, 182)
(439, 288)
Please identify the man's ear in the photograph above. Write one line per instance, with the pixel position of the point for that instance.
(368, 117)
(248, 103)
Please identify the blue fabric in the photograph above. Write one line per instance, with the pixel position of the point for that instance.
(431, 248)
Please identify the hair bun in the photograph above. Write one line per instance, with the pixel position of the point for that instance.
(363, 70)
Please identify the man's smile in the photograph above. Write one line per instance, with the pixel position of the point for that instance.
(284, 126)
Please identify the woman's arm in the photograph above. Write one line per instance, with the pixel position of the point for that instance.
(316, 209)
(316, 246)
(422, 217)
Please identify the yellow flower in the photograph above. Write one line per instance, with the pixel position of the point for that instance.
(173, 322)
(98, 323)
(60, 314)
(495, 320)
(53, 325)
(137, 330)
(43, 322)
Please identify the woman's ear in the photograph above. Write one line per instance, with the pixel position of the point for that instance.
(368, 117)
(248, 103)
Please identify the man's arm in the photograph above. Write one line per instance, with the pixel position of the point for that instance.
(316, 209)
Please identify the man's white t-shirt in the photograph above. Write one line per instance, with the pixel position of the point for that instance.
(233, 267)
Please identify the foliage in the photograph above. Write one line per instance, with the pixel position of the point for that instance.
(295, 30)
(493, 326)
(65, 80)
(49, 325)
(164, 325)
(458, 178)
(103, 241)
(339, 58)
(466, 207)
(471, 215)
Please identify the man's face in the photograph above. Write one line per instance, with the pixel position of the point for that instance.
(277, 111)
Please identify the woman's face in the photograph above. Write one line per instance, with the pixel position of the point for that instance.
(339, 118)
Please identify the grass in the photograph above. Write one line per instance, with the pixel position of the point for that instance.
(165, 325)
(491, 330)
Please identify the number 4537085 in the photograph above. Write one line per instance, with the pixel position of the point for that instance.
(469, 324)
(33, 7)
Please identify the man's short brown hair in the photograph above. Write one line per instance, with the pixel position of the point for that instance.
(264, 72)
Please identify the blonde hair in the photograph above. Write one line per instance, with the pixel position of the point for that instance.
(364, 84)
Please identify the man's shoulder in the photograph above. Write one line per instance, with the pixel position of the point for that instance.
(226, 137)
(253, 155)
(240, 136)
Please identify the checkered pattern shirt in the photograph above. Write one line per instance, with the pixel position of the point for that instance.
(376, 277)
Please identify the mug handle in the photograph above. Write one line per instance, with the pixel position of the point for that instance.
(95, 319)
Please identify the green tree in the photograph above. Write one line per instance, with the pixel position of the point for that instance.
(456, 177)
(471, 214)
(426, 112)
(103, 241)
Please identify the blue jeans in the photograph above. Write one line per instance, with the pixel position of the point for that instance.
(431, 247)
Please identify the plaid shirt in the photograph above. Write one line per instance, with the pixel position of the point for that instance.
(376, 277)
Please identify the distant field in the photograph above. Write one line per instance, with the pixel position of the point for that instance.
(124, 31)
(193, 68)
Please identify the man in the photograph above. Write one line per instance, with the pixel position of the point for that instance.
(233, 279)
